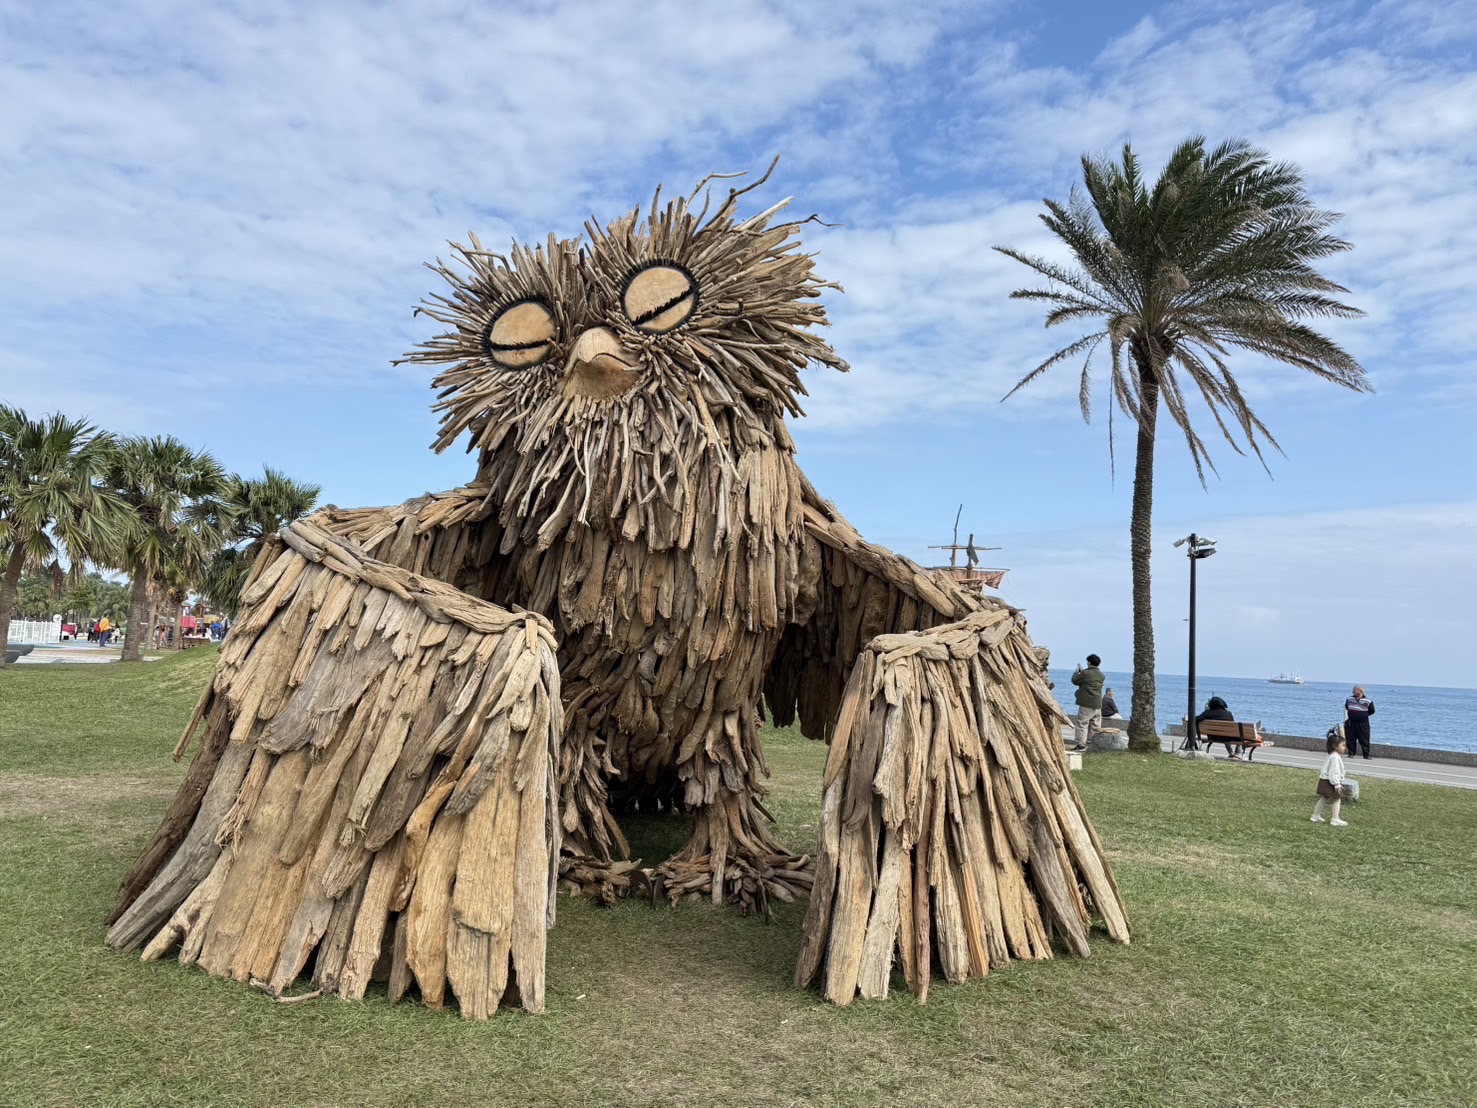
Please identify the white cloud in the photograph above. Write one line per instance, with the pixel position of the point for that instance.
(1336, 594)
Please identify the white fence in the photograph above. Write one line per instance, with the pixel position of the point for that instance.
(36, 631)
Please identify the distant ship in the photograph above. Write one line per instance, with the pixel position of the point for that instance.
(1287, 679)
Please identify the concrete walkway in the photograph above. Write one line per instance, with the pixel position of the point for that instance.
(75, 653)
(1394, 769)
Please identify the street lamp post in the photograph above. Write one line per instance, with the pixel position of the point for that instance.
(1199, 547)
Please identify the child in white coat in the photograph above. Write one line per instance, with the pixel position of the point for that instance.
(1330, 782)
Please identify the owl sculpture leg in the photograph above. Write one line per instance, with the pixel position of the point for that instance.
(673, 733)
(731, 855)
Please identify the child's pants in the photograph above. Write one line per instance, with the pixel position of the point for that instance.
(1318, 808)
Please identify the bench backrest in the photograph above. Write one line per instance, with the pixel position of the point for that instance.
(1228, 729)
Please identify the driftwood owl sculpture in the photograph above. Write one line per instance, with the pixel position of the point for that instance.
(427, 715)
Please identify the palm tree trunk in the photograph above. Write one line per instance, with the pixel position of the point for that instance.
(9, 587)
(138, 615)
(1142, 732)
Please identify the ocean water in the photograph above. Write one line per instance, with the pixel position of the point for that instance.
(1406, 715)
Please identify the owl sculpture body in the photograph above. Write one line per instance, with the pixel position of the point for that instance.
(426, 715)
(626, 398)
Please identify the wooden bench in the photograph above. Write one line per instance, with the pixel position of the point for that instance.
(1232, 733)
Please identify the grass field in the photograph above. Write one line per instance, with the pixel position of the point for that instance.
(1273, 963)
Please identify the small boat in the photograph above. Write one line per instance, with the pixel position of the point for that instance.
(1286, 679)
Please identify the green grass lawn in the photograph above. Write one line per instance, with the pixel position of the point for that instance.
(1274, 962)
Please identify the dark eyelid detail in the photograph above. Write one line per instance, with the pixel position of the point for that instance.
(519, 345)
(648, 316)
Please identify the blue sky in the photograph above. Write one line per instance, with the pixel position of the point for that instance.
(216, 215)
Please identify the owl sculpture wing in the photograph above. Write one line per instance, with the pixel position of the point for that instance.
(950, 828)
(373, 791)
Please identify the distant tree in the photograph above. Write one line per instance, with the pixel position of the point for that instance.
(1216, 255)
(254, 508)
(175, 494)
(36, 596)
(54, 505)
(93, 597)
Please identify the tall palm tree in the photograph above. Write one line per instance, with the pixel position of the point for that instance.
(54, 506)
(175, 493)
(254, 508)
(1217, 255)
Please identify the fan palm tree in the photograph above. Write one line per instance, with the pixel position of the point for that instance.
(1215, 256)
(54, 506)
(175, 493)
(254, 508)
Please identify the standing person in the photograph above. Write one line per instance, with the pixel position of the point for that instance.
(1089, 699)
(1110, 706)
(103, 627)
(1357, 710)
(1331, 780)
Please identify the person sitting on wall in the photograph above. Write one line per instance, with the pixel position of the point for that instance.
(1215, 708)
(1110, 706)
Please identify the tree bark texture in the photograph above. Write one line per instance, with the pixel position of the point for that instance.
(9, 589)
(1143, 732)
(137, 633)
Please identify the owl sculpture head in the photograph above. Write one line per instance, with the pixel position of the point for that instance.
(586, 368)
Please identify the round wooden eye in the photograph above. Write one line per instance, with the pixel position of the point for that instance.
(659, 298)
(522, 335)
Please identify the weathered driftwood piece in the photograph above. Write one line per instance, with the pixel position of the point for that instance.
(951, 833)
(375, 786)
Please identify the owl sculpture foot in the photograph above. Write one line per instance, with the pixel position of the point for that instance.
(604, 880)
(732, 858)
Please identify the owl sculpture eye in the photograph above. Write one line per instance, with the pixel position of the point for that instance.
(659, 298)
(522, 335)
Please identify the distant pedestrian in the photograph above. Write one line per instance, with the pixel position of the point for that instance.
(1089, 699)
(1110, 706)
(1357, 710)
(1331, 782)
(103, 629)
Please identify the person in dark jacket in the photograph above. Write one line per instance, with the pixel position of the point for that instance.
(1110, 706)
(1215, 708)
(1357, 710)
(1089, 699)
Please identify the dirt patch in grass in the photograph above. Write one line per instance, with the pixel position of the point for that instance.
(78, 799)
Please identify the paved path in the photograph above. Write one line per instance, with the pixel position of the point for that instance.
(1394, 769)
(72, 654)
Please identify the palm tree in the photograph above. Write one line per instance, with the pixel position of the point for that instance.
(1216, 256)
(54, 506)
(175, 494)
(254, 509)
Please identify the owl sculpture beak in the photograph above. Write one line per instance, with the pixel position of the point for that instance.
(598, 367)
